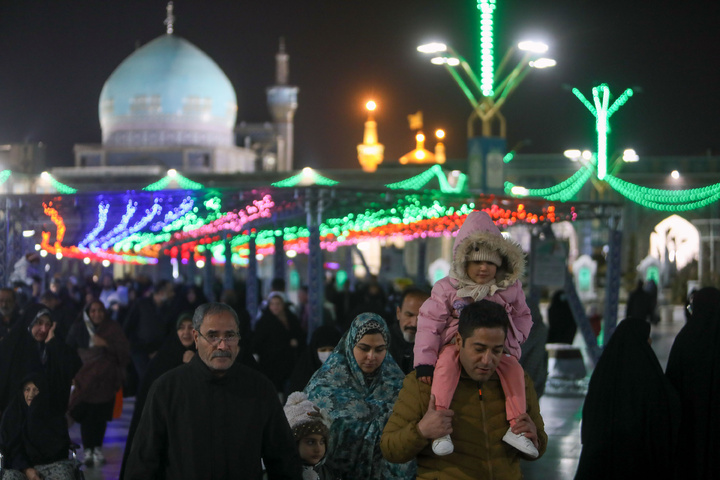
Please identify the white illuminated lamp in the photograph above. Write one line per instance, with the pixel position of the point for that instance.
(573, 154)
(106, 263)
(675, 174)
(43, 253)
(520, 191)
(59, 255)
(172, 173)
(291, 253)
(630, 156)
(45, 176)
(533, 46)
(434, 47)
(259, 257)
(200, 263)
(586, 154)
(86, 261)
(28, 233)
(37, 247)
(543, 63)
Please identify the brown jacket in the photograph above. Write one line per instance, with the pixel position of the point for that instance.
(478, 428)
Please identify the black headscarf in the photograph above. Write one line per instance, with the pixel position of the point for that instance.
(694, 369)
(308, 362)
(33, 435)
(631, 414)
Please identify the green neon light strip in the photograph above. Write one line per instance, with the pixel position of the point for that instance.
(667, 197)
(419, 181)
(621, 100)
(302, 178)
(578, 178)
(183, 182)
(4, 175)
(666, 207)
(487, 62)
(61, 187)
(585, 101)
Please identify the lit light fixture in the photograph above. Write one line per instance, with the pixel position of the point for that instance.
(200, 263)
(532, 46)
(106, 263)
(28, 233)
(519, 191)
(59, 255)
(43, 253)
(86, 261)
(630, 156)
(37, 247)
(291, 253)
(172, 173)
(440, 133)
(259, 257)
(45, 176)
(675, 174)
(542, 63)
(451, 61)
(586, 154)
(434, 47)
(371, 105)
(573, 154)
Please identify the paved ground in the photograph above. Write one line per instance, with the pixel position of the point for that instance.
(562, 423)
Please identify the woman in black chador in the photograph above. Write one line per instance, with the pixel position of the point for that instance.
(631, 414)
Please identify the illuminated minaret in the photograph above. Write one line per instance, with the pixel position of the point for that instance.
(282, 101)
(370, 152)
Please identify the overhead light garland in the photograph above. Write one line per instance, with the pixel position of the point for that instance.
(653, 198)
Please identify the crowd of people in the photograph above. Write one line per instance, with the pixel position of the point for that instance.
(417, 383)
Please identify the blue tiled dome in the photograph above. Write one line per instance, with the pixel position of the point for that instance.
(168, 93)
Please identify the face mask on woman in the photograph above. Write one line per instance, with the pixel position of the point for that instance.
(323, 356)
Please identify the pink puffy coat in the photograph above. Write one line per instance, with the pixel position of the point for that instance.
(437, 320)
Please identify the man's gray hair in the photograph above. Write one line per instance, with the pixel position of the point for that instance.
(212, 308)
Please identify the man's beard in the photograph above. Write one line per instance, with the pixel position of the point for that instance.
(409, 335)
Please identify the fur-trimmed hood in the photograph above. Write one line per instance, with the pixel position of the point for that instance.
(479, 230)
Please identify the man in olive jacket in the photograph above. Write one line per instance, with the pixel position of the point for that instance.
(476, 419)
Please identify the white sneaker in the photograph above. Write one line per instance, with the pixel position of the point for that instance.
(443, 446)
(98, 457)
(521, 442)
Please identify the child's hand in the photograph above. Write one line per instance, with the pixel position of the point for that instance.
(427, 380)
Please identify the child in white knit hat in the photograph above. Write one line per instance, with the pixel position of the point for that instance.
(485, 266)
(311, 428)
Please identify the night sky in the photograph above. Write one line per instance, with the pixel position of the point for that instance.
(56, 55)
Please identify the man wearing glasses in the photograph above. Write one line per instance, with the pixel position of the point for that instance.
(213, 418)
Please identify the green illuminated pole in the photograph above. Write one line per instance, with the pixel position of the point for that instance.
(602, 114)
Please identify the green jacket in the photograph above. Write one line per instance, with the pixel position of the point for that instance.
(478, 428)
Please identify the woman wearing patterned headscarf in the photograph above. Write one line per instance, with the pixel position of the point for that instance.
(358, 386)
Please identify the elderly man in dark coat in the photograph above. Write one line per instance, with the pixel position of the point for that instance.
(212, 417)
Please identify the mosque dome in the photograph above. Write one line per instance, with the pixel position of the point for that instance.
(168, 93)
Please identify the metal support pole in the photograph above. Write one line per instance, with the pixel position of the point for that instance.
(5, 268)
(228, 280)
(208, 278)
(421, 277)
(316, 273)
(164, 268)
(279, 258)
(251, 282)
(581, 320)
(612, 281)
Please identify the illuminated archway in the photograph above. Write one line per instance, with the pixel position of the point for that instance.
(675, 240)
